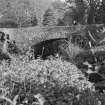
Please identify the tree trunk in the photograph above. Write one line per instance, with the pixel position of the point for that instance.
(90, 19)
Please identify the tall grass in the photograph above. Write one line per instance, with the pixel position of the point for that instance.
(43, 71)
(39, 77)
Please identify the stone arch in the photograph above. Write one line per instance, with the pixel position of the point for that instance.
(47, 48)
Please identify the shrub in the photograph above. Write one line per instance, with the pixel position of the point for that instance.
(55, 81)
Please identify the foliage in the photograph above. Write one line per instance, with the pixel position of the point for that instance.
(68, 18)
(50, 18)
(88, 11)
(60, 7)
(77, 9)
(19, 12)
(100, 13)
(57, 10)
(25, 14)
(40, 6)
(53, 79)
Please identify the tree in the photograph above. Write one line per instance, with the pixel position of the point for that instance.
(88, 11)
(64, 16)
(79, 11)
(91, 12)
(68, 18)
(25, 14)
(100, 13)
(18, 11)
(40, 6)
(78, 8)
(50, 18)
(60, 7)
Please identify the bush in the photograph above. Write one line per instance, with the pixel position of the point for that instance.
(50, 81)
(24, 78)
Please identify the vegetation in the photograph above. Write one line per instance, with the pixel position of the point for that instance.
(26, 13)
(58, 82)
(27, 81)
(40, 82)
(88, 11)
(49, 18)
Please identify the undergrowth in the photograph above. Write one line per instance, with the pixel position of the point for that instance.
(49, 82)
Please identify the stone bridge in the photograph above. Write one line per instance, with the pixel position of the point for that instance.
(25, 37)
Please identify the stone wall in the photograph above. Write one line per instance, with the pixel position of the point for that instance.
(26, 37)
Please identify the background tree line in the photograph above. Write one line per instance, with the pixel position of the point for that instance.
(26, 13)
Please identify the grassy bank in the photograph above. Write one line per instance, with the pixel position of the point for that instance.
(57, 82)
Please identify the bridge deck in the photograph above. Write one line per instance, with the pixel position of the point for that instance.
(27, 36)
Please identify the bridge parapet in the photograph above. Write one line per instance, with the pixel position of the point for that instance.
(32, 35)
